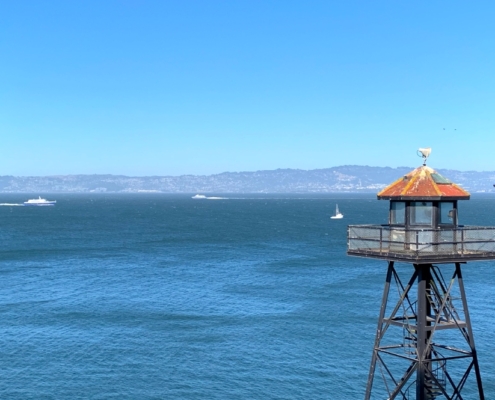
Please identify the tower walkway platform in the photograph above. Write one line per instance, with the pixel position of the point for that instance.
(421, 245)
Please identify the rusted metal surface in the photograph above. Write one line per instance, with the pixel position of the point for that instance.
(423, 183)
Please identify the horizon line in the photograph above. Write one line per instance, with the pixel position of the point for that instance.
(232, 172)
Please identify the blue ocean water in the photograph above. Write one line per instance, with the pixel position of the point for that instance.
(153, 296)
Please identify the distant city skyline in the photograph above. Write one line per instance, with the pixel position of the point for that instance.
(190, 87)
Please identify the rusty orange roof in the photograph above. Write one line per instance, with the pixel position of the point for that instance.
(423, 183)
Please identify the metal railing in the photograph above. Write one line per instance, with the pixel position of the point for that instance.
(386, 241)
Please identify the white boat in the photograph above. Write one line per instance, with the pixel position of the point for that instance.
(199, 196)
(40, 202)
(338, 214)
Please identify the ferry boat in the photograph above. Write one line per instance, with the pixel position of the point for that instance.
(199, 196)
(39, 202)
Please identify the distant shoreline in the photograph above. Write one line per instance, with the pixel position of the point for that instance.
(343, 179)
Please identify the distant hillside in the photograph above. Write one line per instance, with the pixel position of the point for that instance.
(347, 178)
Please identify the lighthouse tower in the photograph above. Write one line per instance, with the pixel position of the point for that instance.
(424, 346)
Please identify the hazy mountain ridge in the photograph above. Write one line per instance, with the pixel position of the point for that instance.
(346, 178)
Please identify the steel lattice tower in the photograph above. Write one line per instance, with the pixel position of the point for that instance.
(424, 346)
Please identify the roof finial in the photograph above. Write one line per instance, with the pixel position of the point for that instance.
(425, 153)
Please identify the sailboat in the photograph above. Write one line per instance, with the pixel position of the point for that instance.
(338, 214)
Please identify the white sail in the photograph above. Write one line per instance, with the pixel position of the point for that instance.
(338, 214)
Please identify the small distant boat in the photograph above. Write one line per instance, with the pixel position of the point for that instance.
(338, 214)
(40, 202)
(202, 196)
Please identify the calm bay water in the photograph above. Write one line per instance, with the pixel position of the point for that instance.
(156, 296)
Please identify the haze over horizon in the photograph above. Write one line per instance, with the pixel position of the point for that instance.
(189, 87)
(253, 171)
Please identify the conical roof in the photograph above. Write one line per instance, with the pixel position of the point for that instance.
(423, 183)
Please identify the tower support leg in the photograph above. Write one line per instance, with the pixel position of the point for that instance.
(378, 336)
(470, 330)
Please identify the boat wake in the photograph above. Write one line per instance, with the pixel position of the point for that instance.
(203, 197)
(12, 204)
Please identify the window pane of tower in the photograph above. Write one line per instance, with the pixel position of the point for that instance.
(446, 212)
(421, 213)
(398, 213)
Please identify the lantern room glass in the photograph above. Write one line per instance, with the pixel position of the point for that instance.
(447, 212)
(421, 213)
(397, 213)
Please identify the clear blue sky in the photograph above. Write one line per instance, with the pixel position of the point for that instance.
(200, 87)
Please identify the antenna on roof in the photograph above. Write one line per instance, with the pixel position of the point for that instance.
(425, 153)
